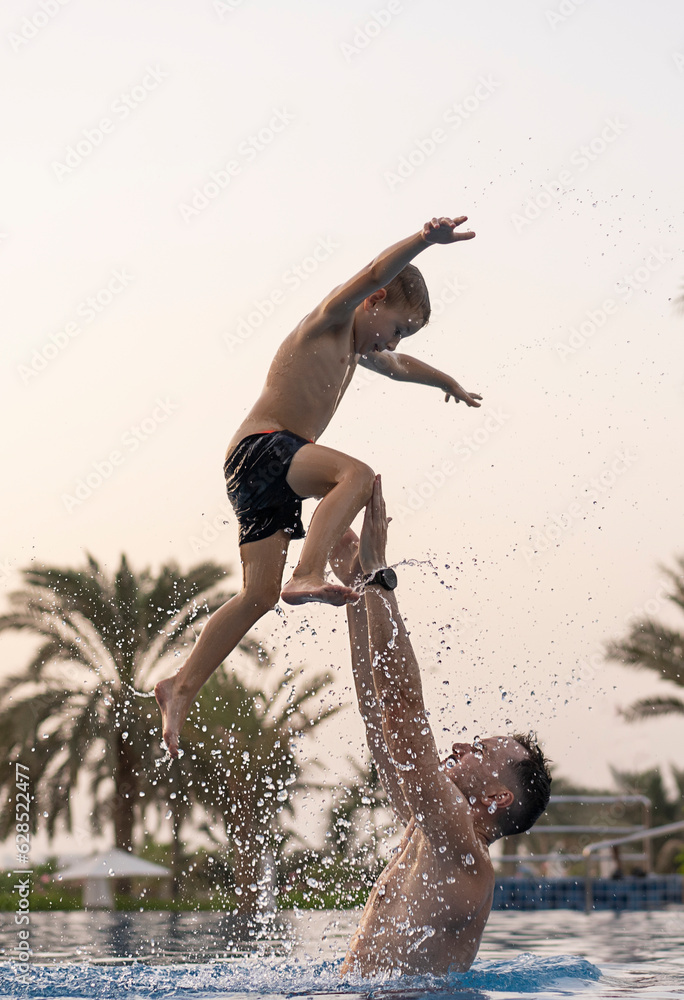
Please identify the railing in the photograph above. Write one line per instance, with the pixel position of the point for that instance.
(633, 832)
(654, 831)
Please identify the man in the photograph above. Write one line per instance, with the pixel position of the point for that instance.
(428, 909)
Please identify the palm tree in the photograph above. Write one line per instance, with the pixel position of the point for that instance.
(82, 705)
(243, 766)
(653, 646)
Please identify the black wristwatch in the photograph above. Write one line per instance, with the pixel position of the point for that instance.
(385, 578)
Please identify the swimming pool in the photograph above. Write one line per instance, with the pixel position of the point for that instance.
(196, 956)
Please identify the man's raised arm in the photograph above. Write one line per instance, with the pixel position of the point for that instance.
(434, 800)
(345, 563)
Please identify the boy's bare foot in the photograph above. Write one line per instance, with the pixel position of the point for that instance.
(173, 713)
(302, 590)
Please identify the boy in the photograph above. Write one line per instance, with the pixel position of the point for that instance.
(273, 462)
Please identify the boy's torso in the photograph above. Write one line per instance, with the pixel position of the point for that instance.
(424, 914)
(308, 376)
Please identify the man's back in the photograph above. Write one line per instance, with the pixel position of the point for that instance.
(427, 911)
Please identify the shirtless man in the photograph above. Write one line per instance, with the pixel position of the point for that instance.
(428, 909)
(272, 461)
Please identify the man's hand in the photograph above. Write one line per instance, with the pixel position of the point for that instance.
(459, 393)
(442, 230)
(373, 541)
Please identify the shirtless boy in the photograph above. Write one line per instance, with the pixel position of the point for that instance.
(273, 462)
(428, 909)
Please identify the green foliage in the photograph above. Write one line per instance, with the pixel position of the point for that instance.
(316, 881)
(650, 645)
(243, 765)
(355, 827)
(82, 704)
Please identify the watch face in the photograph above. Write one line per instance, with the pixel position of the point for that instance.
(390, 578)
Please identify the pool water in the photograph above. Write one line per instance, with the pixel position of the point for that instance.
(208, 955)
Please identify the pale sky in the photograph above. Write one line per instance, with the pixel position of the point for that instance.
(206, 173)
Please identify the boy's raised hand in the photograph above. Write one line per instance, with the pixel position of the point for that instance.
(458, 393)
(443, 230)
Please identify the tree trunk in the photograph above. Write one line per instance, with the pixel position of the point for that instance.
(124, 801)
(177, 854)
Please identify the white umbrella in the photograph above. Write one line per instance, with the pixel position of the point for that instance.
(97, 872)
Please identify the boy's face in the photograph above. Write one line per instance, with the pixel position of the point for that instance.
(379, 326)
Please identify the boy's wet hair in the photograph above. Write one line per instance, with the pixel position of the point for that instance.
(532, 779)
(409, 289)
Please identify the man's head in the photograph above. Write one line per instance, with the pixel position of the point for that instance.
(391, 313)
(506, 778)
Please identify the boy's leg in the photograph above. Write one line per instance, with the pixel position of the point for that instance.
(262, 571)
(346, 486)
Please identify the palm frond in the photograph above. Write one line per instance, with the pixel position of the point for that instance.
(652, 646)
(652, 708)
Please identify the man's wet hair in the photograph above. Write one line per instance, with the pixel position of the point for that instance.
(532, 779)
(409, 289)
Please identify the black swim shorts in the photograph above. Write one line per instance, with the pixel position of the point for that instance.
(256, 472)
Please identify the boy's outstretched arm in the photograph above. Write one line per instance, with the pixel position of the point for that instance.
(387, 265)
(404, 368)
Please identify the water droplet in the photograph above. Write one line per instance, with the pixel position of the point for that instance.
(469, 859)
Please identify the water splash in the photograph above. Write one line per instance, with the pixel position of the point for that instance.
(280, 978)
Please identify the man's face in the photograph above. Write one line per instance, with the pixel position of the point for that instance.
(478, 768)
